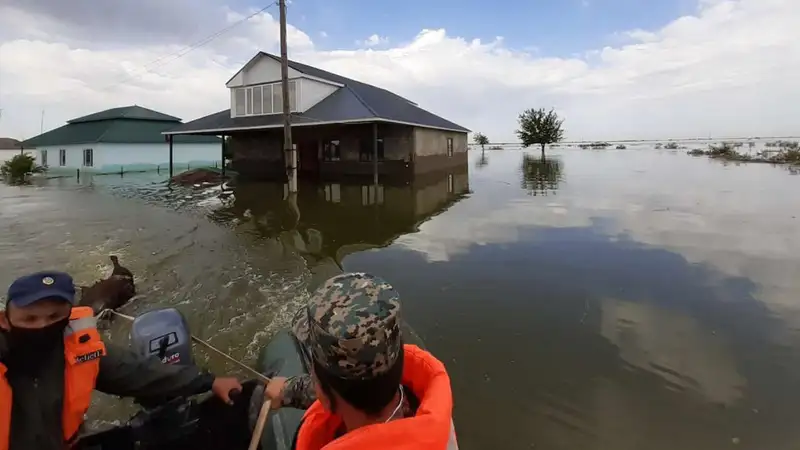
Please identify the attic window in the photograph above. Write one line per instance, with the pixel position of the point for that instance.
(263, 99)
(239, 101)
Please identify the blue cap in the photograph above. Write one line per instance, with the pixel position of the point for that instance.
(39, 286)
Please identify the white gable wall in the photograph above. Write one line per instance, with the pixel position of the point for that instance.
(110, 157)
(313, 92)
(263, 70)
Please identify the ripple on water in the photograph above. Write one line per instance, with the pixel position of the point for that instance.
(234, 292)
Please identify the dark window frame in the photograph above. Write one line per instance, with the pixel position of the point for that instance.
(88, 157)
(62, 157)
(365, 150)
(331, 150)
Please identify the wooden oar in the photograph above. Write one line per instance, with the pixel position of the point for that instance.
(255, 440)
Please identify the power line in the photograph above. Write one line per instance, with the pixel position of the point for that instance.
(180, 53)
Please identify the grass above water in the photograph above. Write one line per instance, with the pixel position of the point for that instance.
(787, 153)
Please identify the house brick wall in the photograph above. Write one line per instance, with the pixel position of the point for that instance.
(407, 150)
(430, 150)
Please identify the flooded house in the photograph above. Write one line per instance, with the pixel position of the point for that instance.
(127, 138)
(340, 126)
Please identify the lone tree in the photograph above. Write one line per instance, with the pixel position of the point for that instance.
(537, 126)
(480, 139)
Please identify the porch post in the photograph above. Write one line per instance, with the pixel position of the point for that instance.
(224, 147)
(169, 139)
(291, 167)
(375, 152)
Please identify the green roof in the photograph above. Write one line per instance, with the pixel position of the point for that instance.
(126, 125)
(134, 112)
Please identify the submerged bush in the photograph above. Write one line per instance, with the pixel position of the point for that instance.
(17, 169)
(671, 146)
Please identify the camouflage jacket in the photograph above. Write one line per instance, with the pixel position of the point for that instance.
(298, 392)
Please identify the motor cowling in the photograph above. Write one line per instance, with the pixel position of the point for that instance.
(163, 334)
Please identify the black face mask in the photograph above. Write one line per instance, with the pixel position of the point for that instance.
(28, 343)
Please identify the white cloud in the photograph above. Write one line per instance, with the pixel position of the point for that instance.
(730, 69)
(323, 34)
(373, 41)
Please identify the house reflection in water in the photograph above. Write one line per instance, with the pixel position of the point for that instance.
(328, 220)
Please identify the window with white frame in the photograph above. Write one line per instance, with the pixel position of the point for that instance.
(239, 99)
(263, 99)
(449, 146)
(88, 157)
(62, 157)
(44, 158)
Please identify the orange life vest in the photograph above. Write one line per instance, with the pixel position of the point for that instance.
(431, 427)
(83, 348)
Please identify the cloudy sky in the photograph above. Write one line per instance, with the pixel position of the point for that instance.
(614, 68)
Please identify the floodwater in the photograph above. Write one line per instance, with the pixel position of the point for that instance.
(620, 300)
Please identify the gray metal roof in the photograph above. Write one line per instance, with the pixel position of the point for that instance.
(356, 101)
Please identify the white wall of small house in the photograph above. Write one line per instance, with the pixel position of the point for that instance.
(130, 157)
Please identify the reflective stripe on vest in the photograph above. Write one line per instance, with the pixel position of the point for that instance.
(83, 348)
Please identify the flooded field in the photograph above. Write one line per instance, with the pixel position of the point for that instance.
(614, 300)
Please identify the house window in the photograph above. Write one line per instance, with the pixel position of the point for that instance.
(239, 95)
(44, 158)
(293, 95)
(372, 194)
(257, 100)
(266, 98)
(62, 157)
(366, 151)
(449, 146)
(88, 157)
(277, 95)
(331, 151)
(263, 99)
(249, 102)
(450, 184)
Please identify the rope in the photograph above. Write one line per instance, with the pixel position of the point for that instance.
(203, 343)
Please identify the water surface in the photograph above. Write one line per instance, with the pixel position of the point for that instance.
(598, 299)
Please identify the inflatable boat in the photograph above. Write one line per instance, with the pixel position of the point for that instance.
(204, 422)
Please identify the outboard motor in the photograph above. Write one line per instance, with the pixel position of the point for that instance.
(164, 334)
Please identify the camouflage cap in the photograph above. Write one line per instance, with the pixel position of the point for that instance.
(351, 326)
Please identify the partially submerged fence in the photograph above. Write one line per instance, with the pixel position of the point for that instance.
(63, 172)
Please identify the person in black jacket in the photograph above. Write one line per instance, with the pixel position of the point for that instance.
(36, 359)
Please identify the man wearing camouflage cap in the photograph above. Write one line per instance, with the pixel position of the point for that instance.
(367, 389)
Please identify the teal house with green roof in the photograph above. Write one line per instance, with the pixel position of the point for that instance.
(127, 138)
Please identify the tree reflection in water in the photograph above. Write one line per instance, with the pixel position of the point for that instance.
(540, 176)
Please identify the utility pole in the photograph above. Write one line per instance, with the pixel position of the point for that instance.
(288, 149)
(41, 124)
